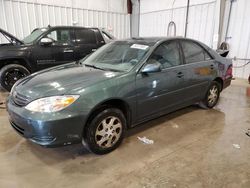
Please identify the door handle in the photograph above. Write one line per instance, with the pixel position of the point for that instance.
(93, 50)
(68, 51)
(180, 74)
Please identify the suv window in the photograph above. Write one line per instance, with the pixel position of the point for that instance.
(61, 36)
(194, 53)
(85, 36)
(167, 54)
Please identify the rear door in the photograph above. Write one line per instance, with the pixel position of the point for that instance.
(85, 42)
(199, 69)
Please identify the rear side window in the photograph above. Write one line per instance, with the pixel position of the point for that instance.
(194, 53)
(85, 36)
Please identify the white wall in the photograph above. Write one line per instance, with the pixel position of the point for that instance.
(156, 15)
(203, 25)
(156, 5)
(20, 17)
(101, 5)
(239, 36)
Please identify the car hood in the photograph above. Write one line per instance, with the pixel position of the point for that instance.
(12, 37)
(65, 79)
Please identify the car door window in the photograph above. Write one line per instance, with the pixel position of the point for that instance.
(167, 54)
(194, 53)
(85, 36)
(60, 37)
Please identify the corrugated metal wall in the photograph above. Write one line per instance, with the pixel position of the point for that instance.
(239, 36)
(20, 18)
(200, 24)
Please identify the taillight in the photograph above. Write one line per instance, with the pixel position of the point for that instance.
(229, 71)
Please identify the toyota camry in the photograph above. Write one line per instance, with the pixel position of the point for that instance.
(122, 84)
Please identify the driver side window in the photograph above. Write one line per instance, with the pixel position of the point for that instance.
(60, 37)
(167, 54)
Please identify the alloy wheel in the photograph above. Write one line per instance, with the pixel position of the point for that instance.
(213, 95)
(108, 132)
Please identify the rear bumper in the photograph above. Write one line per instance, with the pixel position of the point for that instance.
(227, 82)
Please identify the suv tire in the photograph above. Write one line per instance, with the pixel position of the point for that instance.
(9, 74)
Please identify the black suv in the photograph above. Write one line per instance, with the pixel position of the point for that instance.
(46, 47)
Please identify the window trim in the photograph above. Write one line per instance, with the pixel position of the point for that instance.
(191, 41)
(71, 33)
(179, 49)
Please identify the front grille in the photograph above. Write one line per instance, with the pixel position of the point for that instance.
(19, 99)
(17, 128)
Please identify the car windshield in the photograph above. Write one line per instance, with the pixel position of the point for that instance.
(119, 56)
(34, 35)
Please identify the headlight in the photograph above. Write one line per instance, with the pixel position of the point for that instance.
(51, 104)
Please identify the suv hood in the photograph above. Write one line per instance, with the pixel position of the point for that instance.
(10, 36)
(65, 79)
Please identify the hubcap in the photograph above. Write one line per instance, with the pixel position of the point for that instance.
(12, 76)
(108, 132)
(213, 95)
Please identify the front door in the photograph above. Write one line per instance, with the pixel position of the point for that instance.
(161, 92)
(59, 52)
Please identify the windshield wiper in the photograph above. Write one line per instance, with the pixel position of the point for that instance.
(93, 66)
(104, 69)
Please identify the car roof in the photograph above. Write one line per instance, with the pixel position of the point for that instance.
(70, 27)
(149, 40)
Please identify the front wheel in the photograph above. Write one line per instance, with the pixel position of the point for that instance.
(212, 96)
(105, 132)
(9, 74)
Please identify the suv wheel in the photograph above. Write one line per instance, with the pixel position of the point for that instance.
(9, 74)
(105, 132)
(212, 96)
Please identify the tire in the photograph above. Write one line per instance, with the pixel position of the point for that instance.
(9, 74)
(212, 96)
(105, 132)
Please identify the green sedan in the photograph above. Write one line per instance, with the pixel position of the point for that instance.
(122, 84)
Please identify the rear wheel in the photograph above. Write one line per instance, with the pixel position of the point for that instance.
(212, 96)
(105, 132)
(9, 74)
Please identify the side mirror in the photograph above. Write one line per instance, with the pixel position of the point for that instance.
(152, 66)
(46, 41)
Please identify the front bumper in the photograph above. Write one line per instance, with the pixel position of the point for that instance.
(47, 129)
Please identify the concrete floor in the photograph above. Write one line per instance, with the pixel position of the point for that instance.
(192, 148)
